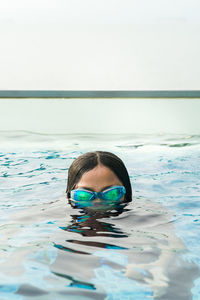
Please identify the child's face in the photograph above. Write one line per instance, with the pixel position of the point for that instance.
(98, 179)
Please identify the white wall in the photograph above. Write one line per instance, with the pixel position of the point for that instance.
(99, 44)
(107, 116)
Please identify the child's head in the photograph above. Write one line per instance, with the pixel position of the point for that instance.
(97, 172)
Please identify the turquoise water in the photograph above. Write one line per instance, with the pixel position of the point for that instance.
(51, 251)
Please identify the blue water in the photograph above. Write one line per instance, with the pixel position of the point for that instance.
(51, 251)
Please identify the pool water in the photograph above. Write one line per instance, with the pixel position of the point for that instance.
(150, 250)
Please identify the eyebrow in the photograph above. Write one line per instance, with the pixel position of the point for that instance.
(91, 190)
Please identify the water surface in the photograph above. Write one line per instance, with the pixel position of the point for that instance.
(49, 250)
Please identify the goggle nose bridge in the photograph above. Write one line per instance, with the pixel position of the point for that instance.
(96, 195)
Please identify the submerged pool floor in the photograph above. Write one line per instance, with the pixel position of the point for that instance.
(49, 250)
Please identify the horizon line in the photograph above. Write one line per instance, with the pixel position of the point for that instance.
(99, 93)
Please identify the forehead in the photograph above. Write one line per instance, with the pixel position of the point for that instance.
(98, 178)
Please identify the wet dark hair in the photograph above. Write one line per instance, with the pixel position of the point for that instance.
(89, 161)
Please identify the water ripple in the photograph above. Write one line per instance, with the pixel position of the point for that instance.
(51, 250)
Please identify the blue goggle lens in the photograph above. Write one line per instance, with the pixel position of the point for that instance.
(81, 195)
(114, 194)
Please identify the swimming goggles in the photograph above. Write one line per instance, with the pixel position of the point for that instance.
(114, 193)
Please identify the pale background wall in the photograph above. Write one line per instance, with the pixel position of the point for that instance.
(99, 44)
(101, 116)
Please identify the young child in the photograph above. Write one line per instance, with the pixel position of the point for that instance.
(99, 181)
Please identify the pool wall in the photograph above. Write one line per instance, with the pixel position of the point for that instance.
(101, 116)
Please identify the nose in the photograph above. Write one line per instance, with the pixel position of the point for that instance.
(97, 200)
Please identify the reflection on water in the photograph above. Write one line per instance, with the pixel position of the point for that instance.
(128, 254)
(147, 250)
